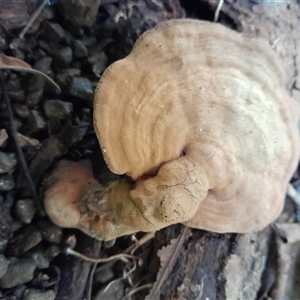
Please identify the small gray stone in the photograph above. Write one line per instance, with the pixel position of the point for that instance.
(42, 258)
(24, 241)
(63, 57)
(3, 42)
(3, 244)
(72, 134)
(7, 162)
(69, 38)
(50, 232)
(81, 87)
(98, 63)
(19, 291)
(21, 110)
(115, 291)
(44, 45)
(18, 95)
(34, 82)
(43, 64)
(53, 32)
(80, 13)
(79, 49)
(48, 12)
(104, 274)
(58, 109)
(17, 225)
(25, 210)
(15, 89)
(3, 265)
(7, 182)
(89, 41)
(34, 294)
(36, 121)
(34, 97)
(64, 78)
(40, 53)
(18, 54)
(20, 270)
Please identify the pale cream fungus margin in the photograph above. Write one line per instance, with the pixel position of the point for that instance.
(198, 118)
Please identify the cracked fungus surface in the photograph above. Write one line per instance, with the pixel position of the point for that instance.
(198, 116)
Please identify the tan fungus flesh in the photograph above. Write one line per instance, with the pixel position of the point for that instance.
(198, 116)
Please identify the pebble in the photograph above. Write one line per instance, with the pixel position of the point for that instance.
(3, 42)
(18, 95)
(58, 109)
(14, 89)
(3, 244)
(35, 82)
(18, 54)
(21, 110)
(50, 232)
(3, 265)
(34, 97)
(63, 57)
(115, 291)
(79, 49)
(44, 45)
(25, 210)
(81, 87)
(7, 183)
(65, 77)
(104, 275)
(24, 241)
(98, 63)
(35, 121)
(19, 291)
(53, 32)
(49, 12)
(73, 134)
(35, 294)
(7, 162)
(80, 13)
(43, 257)
(3, 136)
(89, 41)
(20, 270)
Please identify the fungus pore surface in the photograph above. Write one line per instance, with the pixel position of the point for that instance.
(198, 118)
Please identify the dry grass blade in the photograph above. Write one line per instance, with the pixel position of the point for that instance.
(120, 256)
(15, 64)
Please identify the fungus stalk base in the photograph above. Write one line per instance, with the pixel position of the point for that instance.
(109, 212)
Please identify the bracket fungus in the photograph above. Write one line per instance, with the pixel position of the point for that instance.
(198, 118)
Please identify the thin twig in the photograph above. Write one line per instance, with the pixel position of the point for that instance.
(18, 148)
(33, 18)
(217, 12)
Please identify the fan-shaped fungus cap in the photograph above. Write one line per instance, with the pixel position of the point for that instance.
(197, 115)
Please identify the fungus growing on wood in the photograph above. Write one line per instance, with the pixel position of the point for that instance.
(198, 118)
